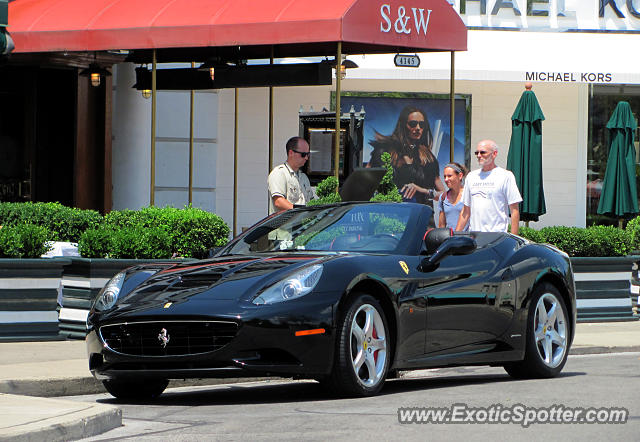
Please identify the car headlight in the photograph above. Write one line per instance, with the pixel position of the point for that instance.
(109, 294)
(295, 286)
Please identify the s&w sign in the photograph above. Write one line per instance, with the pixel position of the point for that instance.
(401, 21)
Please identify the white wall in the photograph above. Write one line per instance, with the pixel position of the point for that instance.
(172, 149)
(132, 146)
(131, 140)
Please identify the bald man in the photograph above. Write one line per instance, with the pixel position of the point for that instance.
(490, 194)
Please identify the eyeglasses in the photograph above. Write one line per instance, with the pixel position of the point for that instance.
(482, 152)
(302, 154)
(414, 123)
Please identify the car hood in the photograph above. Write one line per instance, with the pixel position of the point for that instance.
(224, 278)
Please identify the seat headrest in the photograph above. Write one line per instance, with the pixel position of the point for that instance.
(434, 237)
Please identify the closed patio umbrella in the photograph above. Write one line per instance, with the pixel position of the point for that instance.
(525, 155)
(619, 197)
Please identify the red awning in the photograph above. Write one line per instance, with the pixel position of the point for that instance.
(364, 26)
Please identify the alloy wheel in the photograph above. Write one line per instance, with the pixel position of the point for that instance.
(368, 345)
(550, 330)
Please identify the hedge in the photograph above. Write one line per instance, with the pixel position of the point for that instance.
(24, 241)
(64, 223)
(156, 232)
(152, 232)
(590, 241)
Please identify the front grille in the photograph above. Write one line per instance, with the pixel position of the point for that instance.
(181, 337)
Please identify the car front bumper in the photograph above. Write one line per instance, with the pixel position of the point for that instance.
(270, 340)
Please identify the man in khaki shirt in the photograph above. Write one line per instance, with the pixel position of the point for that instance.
(288, 185)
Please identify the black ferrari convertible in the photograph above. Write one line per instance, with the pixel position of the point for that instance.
(345, 294)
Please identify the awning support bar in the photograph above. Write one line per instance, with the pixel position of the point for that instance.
(336, 145)
(452, 97)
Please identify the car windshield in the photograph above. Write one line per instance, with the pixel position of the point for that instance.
(356, 228)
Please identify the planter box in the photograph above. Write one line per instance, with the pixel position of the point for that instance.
(29, 289)
(82, 280)
(603, 288)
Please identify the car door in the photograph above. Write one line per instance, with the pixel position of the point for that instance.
(460, 296)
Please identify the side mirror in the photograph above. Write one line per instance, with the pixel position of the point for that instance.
(455, 245)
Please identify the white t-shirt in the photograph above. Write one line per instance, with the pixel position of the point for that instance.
(488, 195)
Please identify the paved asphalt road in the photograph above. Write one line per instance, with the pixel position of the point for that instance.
(301, 411)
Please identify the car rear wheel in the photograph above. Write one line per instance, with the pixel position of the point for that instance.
(548, 336)
(135, 389)
(363, 349)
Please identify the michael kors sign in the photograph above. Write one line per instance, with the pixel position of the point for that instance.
(611, 15)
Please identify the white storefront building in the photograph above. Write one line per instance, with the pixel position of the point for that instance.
(581, 55)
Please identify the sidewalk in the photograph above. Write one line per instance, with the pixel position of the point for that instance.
(33, 372)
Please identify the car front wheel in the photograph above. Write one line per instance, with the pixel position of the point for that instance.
(135, 389)
(548, 336)
(363, 349)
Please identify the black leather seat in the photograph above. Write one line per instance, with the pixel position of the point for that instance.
(434, 237)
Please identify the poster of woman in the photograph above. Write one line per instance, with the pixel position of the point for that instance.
(414, 129)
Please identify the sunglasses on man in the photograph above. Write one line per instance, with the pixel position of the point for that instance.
(302, 154)
(414, 123)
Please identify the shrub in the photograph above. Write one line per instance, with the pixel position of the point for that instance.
(329, 199)
(95, 243)
(327, 187)
(64, 223)
(191, 231)
(576, 241)
(34, 239)
(387, 190)
(633, 230)
(196, 231)
(608, 241)
(531, 234)
(9, 243)
(140, 243)
(327, 191)
(124, 218)
(24, 241)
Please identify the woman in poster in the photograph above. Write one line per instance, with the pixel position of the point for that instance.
(415, 167)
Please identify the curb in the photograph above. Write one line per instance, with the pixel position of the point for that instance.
(603, 350)
(47, 388)
(81, 421)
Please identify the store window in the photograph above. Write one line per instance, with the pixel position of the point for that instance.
(602, 101)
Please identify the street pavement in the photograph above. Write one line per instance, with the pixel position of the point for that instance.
(32, 374)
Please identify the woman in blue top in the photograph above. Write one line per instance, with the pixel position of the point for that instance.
(451, 200)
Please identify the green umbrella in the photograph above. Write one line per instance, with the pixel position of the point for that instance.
(525, 155)
(619, 197)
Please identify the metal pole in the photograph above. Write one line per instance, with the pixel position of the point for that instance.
(336, 145)
(235, 162)
(452, 97)
(271, 120)
(193, 65)
(152, 189)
